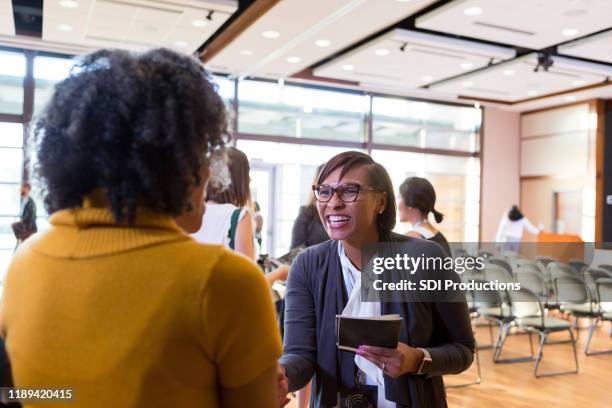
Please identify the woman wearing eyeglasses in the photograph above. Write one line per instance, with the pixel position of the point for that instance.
(356, 203)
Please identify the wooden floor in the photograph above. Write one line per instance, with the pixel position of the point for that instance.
(514, 386)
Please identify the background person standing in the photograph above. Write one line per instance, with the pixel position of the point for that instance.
(26, 225)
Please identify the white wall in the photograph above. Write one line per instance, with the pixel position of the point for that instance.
(500, 168)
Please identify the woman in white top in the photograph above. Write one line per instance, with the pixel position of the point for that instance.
(227, 220)
(511, 226)
(226, 199)
(417, 199)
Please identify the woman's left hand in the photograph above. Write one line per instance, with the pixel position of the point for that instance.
(394, 362)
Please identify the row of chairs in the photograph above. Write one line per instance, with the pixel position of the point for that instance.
(545, 284)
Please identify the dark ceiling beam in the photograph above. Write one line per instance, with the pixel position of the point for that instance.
(237, 27)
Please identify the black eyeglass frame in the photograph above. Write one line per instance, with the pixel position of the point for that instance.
(339, 191)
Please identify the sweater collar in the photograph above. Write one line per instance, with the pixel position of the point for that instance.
(92, 231)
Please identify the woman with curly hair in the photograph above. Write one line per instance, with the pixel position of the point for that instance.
(115, 301)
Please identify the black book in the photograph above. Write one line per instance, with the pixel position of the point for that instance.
(379, 331)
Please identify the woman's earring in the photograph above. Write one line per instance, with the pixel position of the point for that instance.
(381, 211)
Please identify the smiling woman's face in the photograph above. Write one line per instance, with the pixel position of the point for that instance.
(356, 221)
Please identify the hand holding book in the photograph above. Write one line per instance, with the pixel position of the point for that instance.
(376, 338)
(396, 362)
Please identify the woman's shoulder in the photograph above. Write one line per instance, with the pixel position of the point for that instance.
(211, 261)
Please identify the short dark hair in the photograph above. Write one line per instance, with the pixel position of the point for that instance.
(239, 190)
(515, 214)
(26, 185)
(379, 179)
(418, 192)
(137, 125)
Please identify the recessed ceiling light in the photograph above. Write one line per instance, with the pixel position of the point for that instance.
(69, 3)
(199, 23)
(472, 11)
(509, 72)
(578, 82)
(426, 78)
(293, 60)
(180, 44)
(64, 27)
(270, 34)
(382, 52)
(246, 52)
(467, 84)
(532, 93)
(569, 32)
(348, 67)
(466, 65)
(570, 98)
(322, 43)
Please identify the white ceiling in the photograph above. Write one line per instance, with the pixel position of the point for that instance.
(597, 47)
(411, 59)
(533, 24)
(516, 80)
(300, 24)
(7, 23)
(135, 24)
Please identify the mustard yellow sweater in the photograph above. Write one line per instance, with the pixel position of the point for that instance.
(138, 316)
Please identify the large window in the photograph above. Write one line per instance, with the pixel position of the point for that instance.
(12, 74)
(11, 165)
(403, 122)
(47, 72)
(267, 108)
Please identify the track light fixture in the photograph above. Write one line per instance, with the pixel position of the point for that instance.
(210, 14)
(403, 47)
(545, 61)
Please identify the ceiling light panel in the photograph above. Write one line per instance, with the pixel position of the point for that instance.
(414, 59)
(494, 84)
(7, 21)
(136, 24)
(532, 24)
(301, 25)
(597, 47)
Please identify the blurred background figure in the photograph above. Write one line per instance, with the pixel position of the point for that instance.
(259, 221)
(417, 199)
(228, 220)
(26, 225)
(307, 228)
(510, 230)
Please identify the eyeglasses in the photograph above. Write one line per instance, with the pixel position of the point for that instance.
(348, 193)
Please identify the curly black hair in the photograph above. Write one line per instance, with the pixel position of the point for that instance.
(138, 125)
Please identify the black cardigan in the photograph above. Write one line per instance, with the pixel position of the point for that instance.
(308, 229)
(316, 293)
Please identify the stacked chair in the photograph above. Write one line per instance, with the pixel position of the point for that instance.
(604, 298)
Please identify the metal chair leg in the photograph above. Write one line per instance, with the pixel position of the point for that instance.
(497, 354)
(592, 329)
(543, 336)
